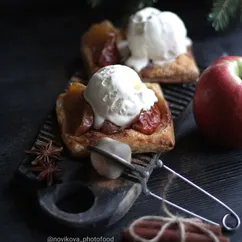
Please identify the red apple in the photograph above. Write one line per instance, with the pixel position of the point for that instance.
(217, 102)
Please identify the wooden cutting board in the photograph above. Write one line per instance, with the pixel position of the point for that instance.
(83, 198)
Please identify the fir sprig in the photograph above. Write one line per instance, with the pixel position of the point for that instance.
(222, 11)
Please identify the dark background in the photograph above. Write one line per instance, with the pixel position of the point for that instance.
(38, 40)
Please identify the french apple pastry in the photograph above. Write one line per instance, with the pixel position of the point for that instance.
(115, 104)
(155, 45)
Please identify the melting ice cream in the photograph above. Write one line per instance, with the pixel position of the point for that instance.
(117, 94)
(155, 36)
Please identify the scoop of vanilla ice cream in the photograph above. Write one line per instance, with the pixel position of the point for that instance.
(117, 94)
(157, 36)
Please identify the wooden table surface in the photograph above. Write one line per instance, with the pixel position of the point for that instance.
(35, 50)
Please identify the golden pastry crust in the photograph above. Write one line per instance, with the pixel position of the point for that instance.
(161, 140)
(183, 69)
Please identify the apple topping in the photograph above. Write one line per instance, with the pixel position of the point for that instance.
(80, 116)
(148, 120)
(110, 54)
(101, 39)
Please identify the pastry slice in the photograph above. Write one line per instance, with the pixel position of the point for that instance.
(110, 46)
(149, 131)
(160, 50)
(182, 70)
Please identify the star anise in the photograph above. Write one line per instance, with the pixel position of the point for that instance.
(47, 171)
(45, 161)
(45, 152)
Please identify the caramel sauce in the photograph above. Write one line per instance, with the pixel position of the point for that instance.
(80, 116)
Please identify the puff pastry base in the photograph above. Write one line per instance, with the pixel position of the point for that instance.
(182, 70)
(161, 140)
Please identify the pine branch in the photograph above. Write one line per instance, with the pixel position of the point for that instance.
(220, 15)
(221, 12)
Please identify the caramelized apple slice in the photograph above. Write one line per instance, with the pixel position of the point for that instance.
(109, 128)
(79, 114)
(148, 121)
(86, 121)
(100, 38)
(110, 54)
(98, 33)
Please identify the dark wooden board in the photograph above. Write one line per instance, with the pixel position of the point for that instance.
(83, 198)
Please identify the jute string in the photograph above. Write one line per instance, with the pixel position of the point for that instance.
(170, 220)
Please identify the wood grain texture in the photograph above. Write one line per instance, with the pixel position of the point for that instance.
(35, 49)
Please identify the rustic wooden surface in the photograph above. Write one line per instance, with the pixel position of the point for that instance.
(35, 49)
